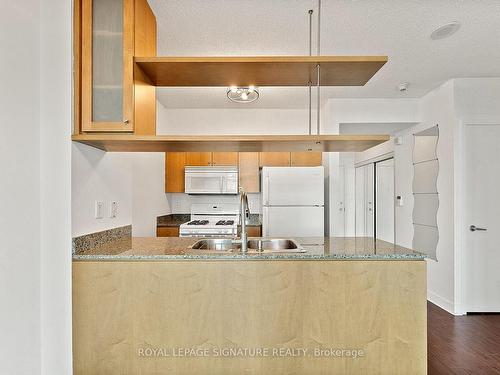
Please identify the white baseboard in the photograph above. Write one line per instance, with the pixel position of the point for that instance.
(442, 302)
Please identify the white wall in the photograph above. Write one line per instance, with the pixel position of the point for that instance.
(148, 192)
(371, 111)
(35, 258)
(97, 175)
(476, 99)
(55, 177)
(135, 180)
(181, 203)
(20, 231)
(232, 121)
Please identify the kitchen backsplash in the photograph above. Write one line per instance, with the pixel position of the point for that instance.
(180, 203)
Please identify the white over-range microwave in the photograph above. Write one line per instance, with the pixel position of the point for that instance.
(211, 180)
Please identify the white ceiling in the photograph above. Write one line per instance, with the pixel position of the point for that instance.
(397, 28)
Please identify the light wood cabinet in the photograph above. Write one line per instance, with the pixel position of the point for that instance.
(115, 96)
(274, 159)
(174, 172)
(224, 158)
(305, 159)
(211, 158)
(167, 231)
(249, 171)
(198, 159)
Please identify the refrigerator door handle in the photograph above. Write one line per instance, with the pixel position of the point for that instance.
(267, 225)
(266, 190)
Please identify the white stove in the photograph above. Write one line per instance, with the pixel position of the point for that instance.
(211, 220)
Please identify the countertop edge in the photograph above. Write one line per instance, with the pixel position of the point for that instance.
(235, 257)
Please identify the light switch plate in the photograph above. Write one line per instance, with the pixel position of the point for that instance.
(99, 207)
(113, 209)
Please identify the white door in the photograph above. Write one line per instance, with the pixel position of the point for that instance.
(370, 201)
(293, 186)
(384, 210)
(482, 253)
(360, 201)
(365, 188)
(293, 221)
(337, 202)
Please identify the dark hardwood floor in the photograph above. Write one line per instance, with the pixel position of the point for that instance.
(459, 345)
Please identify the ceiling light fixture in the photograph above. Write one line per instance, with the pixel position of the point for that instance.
(243, 94)
(445, 31)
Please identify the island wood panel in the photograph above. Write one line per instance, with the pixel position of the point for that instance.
(230, 143)
(306, 159)
(198, 159)
(167, 231)
(224, 158)
(120, 308)
(260, 70)
(174, 172)
(274, 159)
(249, 175)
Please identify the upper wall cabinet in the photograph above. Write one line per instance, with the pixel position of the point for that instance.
(274, 159)
(112, 32)
(211, 158)
(305, 159)
(286, 159)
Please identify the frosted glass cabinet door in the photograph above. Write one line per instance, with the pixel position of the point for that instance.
(107, 58)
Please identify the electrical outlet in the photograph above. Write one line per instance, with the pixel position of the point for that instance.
(177, 207)
(113, 209)
(99, 207)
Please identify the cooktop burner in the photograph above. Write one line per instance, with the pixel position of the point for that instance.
(198, 222)
(225, 222)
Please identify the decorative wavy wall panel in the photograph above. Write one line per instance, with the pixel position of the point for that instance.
(425, 193)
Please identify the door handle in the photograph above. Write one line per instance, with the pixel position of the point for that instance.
(473, 228)
(266, 198)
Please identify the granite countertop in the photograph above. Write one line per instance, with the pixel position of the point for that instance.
(175, 220)
(318, 248)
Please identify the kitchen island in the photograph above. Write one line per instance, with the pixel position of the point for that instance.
(346, 306)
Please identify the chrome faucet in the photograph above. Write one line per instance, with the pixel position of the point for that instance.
(243, 221)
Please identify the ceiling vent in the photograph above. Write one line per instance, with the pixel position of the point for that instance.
(445, 31)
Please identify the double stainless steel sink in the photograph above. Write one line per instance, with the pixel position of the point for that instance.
(255, 245)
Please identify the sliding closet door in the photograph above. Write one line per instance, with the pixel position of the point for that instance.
(384, 209)
(365, 183)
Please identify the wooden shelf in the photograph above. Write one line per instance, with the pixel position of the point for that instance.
(260, 71)
(243, 143)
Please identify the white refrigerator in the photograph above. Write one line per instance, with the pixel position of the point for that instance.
(293, 201)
